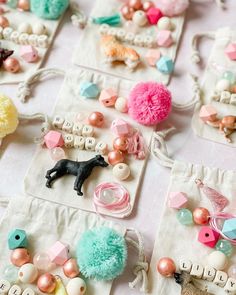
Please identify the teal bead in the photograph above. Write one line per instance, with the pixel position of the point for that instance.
(185, 217)
(89, 90)
(49, 9)
(230, 76)
(113, 20)
(165, 65)
(225, 247)
(10, 273)
(17, 239)
(12, 3)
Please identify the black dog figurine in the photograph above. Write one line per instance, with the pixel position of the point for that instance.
(82, 170)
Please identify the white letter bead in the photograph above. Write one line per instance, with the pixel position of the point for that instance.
(90, 143)
(220, 278)
(33, 40)
(230, 287)
(87, 130)
(67, 126)
(185, 265)
(216, 95)
(225, 97)
(58, 122)
(28, 291)
(43, 41)
(233, 99)
(197, 270)
(15, 290)
(4, 286)
(69, 140)
(209, 273)
(77, 128)
(24, 39)
(101, 148)
(7, 33)
(79, 142)
(15, 37)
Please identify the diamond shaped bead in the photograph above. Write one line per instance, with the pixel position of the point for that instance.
(53, 139)
(89, 90)
(17, 239)
(165, 65)
(152, 56)
(230, 51)
(207, 113)
(29, 53)
(108, 97)
(229, 228)
(153, 15)
(177, 200)
(120, 127)
(164, 38)
(208, 236)
(59, 253)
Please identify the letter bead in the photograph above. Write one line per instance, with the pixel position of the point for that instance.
(67, 126)
(77, 129)
(28, 291)
(33, 40)
(15, 37)
(209, 273)
(197, 270)
(7, 33)
(101, 148)
(69, 140)
(225, 97)
(216, 95)
(24, 39)
(233, 99)
(58, 122)
(220, 278)
(42, 41)
(4, 286)
(87, 130)
(230, 287)
(185, 265)
(15, 290)
(90, 143)
(79, 142)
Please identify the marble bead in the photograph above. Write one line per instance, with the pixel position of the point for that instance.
(10, 273)
(96, 119)
(185, 217)
(230, 76)
(217, 260)
(232, 271)
(47, 283)
(71, 269)
(223, 85)
(57, 154)
(115, 157)
(19, 257)
(23, 5)
(11, 65)
(201, 216)
(225, 247)
(121, 171)
(4, 21)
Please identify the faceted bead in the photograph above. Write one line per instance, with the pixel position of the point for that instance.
(57, 154)
(17, 239)
(108, 97)
(229, 228)
(89, 90)
(207, 113)
(177, 200)
(10, 273)
(59, 253)
(208, 236)
(53, 139)
(230, 76)
(164, 38)
(225, 247)
(230, 51)
(42, 262)
(29, 53)
(12, 3)
(153, 15)
(185, 217)
(152, 56)
(232, 271)
(165, 65)
(120, 127)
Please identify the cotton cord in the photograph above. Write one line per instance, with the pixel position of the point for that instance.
(141, 267)
(24, 89)
(78, 18)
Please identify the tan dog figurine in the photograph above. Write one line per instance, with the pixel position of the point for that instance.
(115, 51)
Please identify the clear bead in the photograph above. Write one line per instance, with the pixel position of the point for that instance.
(225, 247)
(57, 154)
(232, 271)
(10, 273)
(185, 217)
(42, 262)
(230, 76)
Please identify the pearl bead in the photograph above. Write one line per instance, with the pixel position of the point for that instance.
(120, 144)
(164, 23)
(46, 283)
(19, 257)
(57, 154)
(223, 85)
(135, 4)
(12, 65)
(201, 216)
(42, 262)
(71, 269)
(4, 22)
(121, 105)
(139, 18)
(225, 247)
(232, 271)
(76, 286)
(25, 28)
(166, 267)
(147, 5)
(185, 217)
(127, 12)
(39, 29)
(217, 260)
(24, 5)
(121, 171)
(10, 273)
(28, 273)
(96, 119)
(115, 157)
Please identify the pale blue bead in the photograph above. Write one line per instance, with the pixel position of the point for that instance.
(165, 65)
(230, 76)
(185, 216)
(225, 247)
(12, 3)
(89, 90)
(10, 273)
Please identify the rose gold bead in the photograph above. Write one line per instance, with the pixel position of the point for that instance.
(135, 4)
(120, 144)
(4, 22)
(166, 267)
(127, 12)
(46, 283)
(147, 5)
(19, 257)
(71, 269)
(96, 119)
(2, 10)
(115, 157)
(201, 216)
(12, 65)
(24, 5)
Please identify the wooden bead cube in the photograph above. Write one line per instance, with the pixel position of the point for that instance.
(59, 253)
(4, 286)
(90, 143)
(67, 126)
(101, 148)
(53, 139)
(33, 40)
(208, 236)
(185, 265)
(197, 270)
(58, 122)
(77, 129)
(69, 140)
(79, 142)
(230, 287)
(7, 33)
(209, 273)
(216, 95)
(17, 239)
(15, 290)
(220, 278)
(87, 131)
(225, 97)
(233, 99)
(15, 37)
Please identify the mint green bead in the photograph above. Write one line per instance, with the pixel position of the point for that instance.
(49, 9)
(10, 273)
(230, 76)
(225, 247)
(12, 3)
(185, 217)
(113, 20)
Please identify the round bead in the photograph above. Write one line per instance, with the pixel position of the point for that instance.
(166, 267)
(120, 144)
(201, 216)
(230, 76)
(147, 5)
(25, 28)
(10, 273)
(217, 260)
(96, 119)
(139, 18)
(121, 105)
(28, 273)
(39, 29)
(115, 157)
(223, 85)
(121, 171)
(76, 286)
(46, 283)
(4, 21)
(80, 117)
(42, 262)
(127, 12)
(19, 257)
(57, 154)
(232, 271)
(225, 247)
(23, 5)
(71, 269)
(185, 217)
(135, 4)
(12, 65)
(164, 23)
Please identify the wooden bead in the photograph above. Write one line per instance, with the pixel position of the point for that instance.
(185, 265)
(79, 142)
(197, 270)
(101, 148)
(96, 119)
(87, 131)
(77, 129)
(59, 253)
(25, 28)
(90, 143)
(4, 22)
(115, 157)
(76, 286)
(230, 287)
(208, 236)
(220, 278)
(121, 171)
(58, 122)
(17, 238)
(209, 273)
(28, 273)
(15, 290)
(4, 286)
(69, 140)
(67, 126)
(217, 260)
(28, 291)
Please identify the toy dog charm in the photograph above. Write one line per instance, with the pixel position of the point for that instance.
(82, 170)
(115, 51)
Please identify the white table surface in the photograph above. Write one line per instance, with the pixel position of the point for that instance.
(16, 154)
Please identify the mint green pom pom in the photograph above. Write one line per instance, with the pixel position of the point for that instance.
(101, 254)
(48, 9)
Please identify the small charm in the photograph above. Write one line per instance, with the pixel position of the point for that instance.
(81, 170)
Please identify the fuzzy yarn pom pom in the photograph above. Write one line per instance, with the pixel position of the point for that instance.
(172, 7)
(149, 103)
(8, 116)
(48, 9)
(101, 254)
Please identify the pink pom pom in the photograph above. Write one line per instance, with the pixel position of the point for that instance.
(149, 103)
(172, 7)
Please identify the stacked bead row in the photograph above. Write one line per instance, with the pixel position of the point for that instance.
(7, 288)
(224, 97)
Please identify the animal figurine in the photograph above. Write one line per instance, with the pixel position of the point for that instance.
(4, 54)
(115, 51)
(187, 287)
(82, 170)
(226, 125)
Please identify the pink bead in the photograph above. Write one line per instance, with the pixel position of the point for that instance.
(201, 216)
(152, 56)
(115, 157)
(135, 4)
(19, 257)
(178, 200)
(4, 22)
(23, 5)
(59, 253)
(127, 12)
(42, 262)
(120, 144)
(164, 38)
(153, 15)
(29, 53)
(11, 65)
(120, 127)
(208, 236)
(207, 113)
(166, 267)
(57, 154)
(96, 119)
(46, 283)
(108, 97)
(71, 269)
(230, 51)
(53, 139)
(172, 7)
